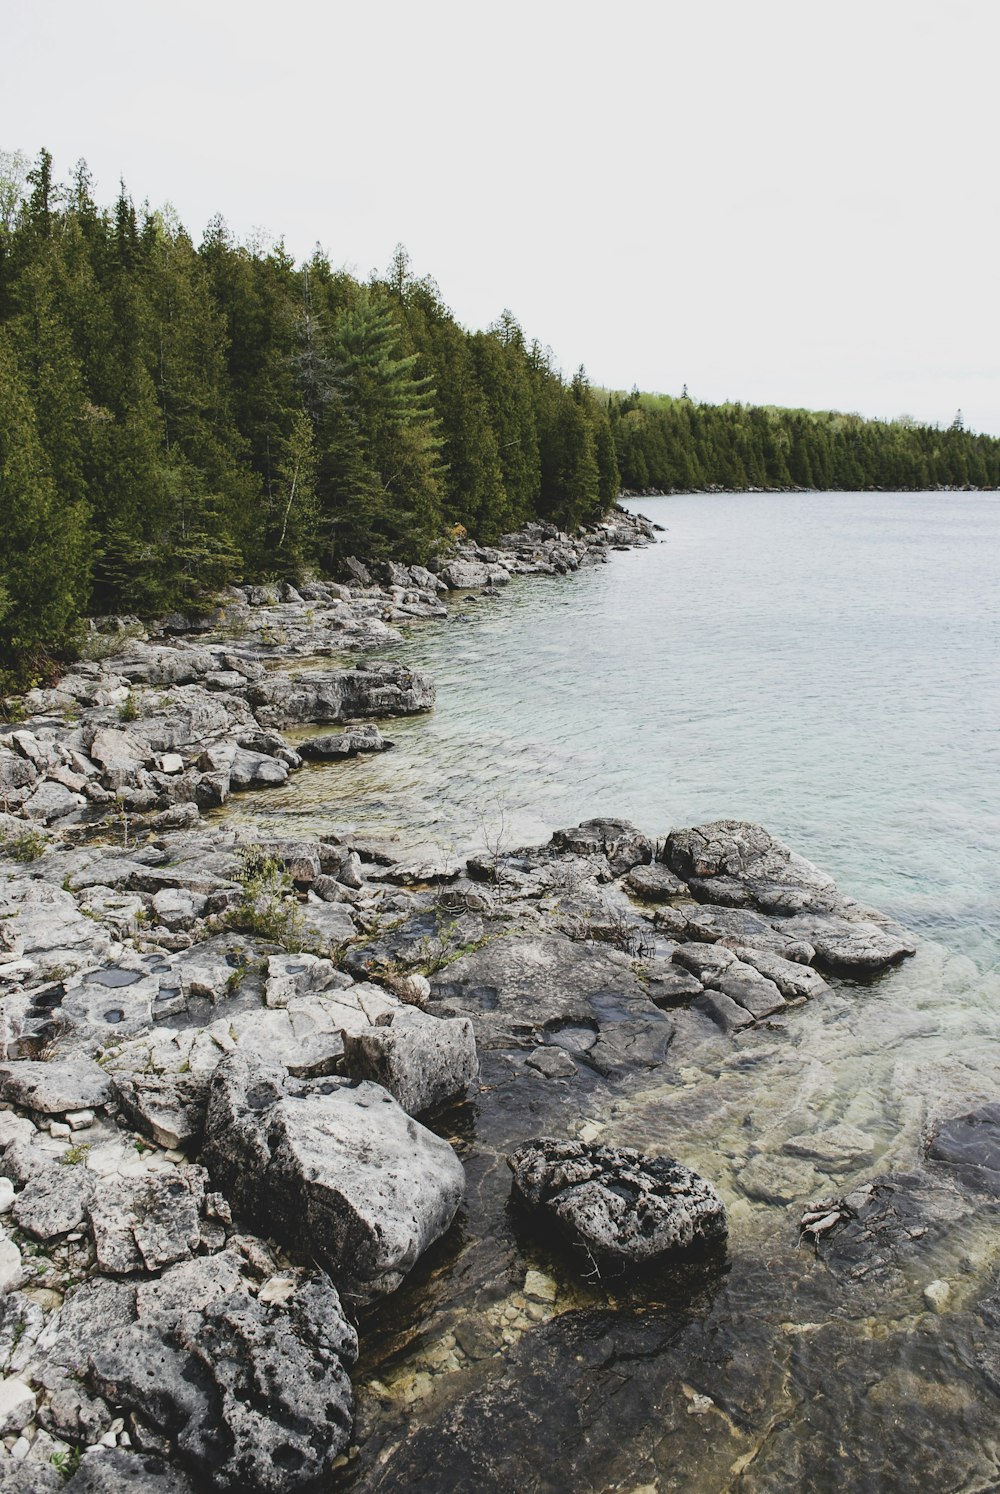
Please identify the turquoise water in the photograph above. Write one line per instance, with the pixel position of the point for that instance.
(823, 663)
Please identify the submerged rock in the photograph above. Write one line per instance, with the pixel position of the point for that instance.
(337, 1170)
(971, 1143)
(621, 1206)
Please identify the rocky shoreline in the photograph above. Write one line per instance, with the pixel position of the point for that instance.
(259, 1098)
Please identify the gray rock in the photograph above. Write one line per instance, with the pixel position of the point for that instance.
(751, 990)
(723, 1010)
(168, 1108)
(837, 1148)
(655, 884)
(552, 1063)
(339, 1171)
(54, 1199)
(57, 1086)
(971, 1144)
(621, 1206)
(423, 1061)
(350, 743)
(850, 946)
(17, 1406)
(147, 1223)
(51, 801)
(120, 755)
(669, 984)
(792, 979)
(464, 575)
(256, 770)
(341, 695)
(624, 846)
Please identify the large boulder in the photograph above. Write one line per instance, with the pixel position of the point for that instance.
(620, 1206)
(336, 1170)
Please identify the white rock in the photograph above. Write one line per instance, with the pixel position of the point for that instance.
(936, 1295)
(171, 762)
(6, 1194)
(80, 1120)
(59, 1131)
(10, 1265)
(17, 1406)
(21, 1448)
(277, 1289)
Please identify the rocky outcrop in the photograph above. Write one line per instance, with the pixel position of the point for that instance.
(341, 695)
(423, 1061)
(339, 1170)
(620, 1207)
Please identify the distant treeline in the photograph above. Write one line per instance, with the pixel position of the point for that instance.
(176, 417)
(676, 445)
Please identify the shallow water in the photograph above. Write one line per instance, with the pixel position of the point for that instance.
(825, 664)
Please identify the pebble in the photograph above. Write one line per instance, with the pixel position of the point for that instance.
(20, 1450)
(59, 1131)
(80, 1120)
(539, 1287)
(6, 1194)
(936, 1295)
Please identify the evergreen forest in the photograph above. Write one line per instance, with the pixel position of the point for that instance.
(176, 417)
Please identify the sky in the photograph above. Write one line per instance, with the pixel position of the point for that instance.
(774, 201)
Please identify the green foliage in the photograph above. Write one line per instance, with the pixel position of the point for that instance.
(175, 418)
(268, 907)
(26, 846)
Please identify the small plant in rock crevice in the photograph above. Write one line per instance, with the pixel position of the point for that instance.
(26, 846)
(267, 907)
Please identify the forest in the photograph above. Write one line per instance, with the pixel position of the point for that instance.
(176, 417)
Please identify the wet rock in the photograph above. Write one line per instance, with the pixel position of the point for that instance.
(621, 1206)
(655, 883)
(669, 984)
(423, 1061)
(350, 743)
(338, 1170)
(523, 989)
(723, 1010)
(553, 1063)
(836, 1148)
(55, 1087)
(971, 1145)
(256, 770)
(622, 844)
(254, 1396)
(792, 979)
(728, 981)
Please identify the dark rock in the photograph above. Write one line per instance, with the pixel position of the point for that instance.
(255, 1397)
(350, 743)
(971, 1144)
(338, 1170)
(116, 1471)
(723, 1010)
(655, 884)
(621, 1206)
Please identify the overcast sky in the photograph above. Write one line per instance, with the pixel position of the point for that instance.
(778, 201)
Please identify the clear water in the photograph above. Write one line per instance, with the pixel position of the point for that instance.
(823, 663)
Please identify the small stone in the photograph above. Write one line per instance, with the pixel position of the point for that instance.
(937, 1295)
(6, 1194)
(59, 1131)
(10, 1265)
(21, 1448)
(80, 1120)
(540, 1288)
(277, 1289)
(700, 1405)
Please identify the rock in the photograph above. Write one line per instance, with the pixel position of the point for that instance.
(350, 743)
(339, 1171)
(836, 1148)
(723, 1010)
(553, 1063)
(10, 1265)
(53, 1088)
(118, 1471)
(792, 979)
(465, 575)
(54, 1199)
(341, 695)
(177, 817)
(255, 1396)
(120, 755)
(751, 990)
(655, 884)
(17, 1406)
(535, 988)
(169, 1109)
(256, 770)
(147, 1223)
(741, 865)
(971, 1144)
(937, 1295)
(423, 1061)
(51, 801)
(620, 1206)
(623, 845)
(670, 985)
